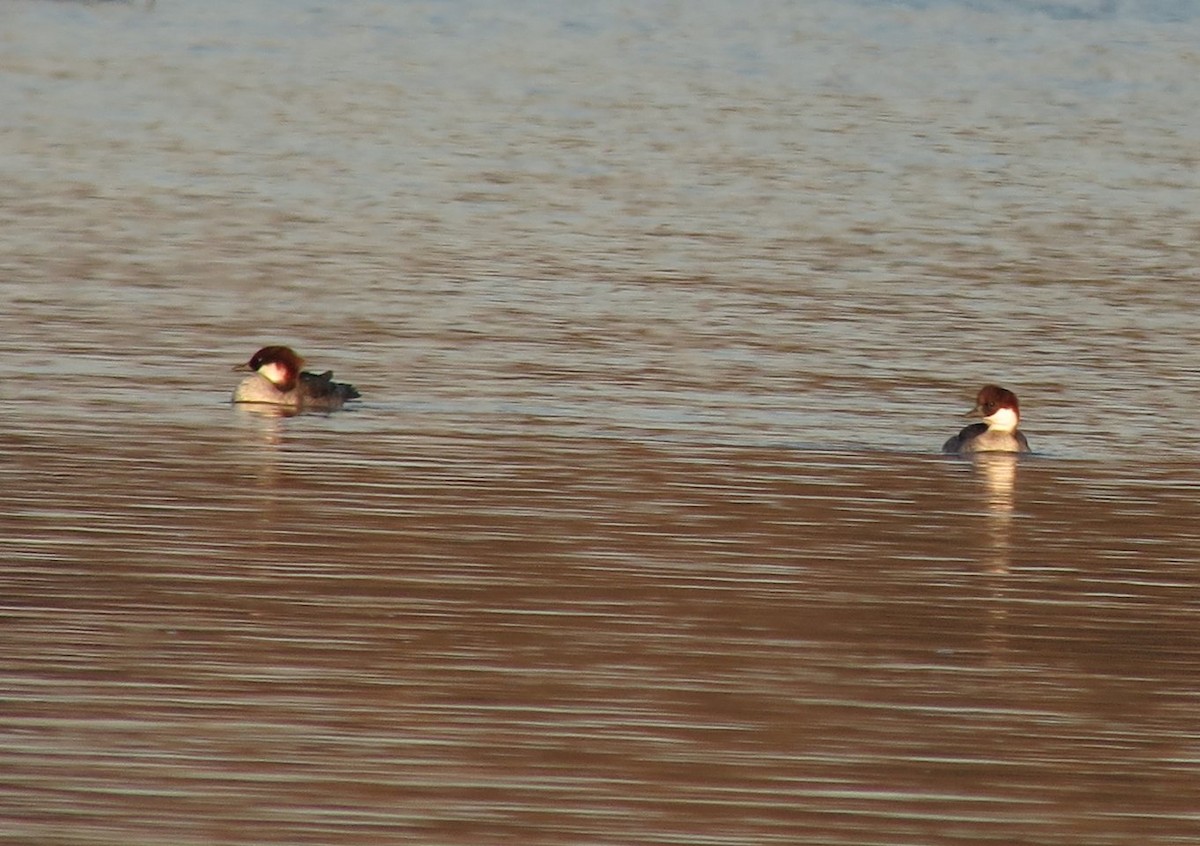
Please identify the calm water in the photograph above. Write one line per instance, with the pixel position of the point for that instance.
(640, 535)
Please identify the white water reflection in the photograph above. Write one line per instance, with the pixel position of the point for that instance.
(640, 533)
(998, 472)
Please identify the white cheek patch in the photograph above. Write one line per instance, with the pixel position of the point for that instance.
(275, 372)
(1002, 420)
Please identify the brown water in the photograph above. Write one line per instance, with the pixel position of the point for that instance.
(640, 534)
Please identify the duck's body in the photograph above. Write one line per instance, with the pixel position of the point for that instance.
(276, 378)
(998, 432)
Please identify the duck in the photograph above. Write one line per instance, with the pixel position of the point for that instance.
(277, 378)
(1001, 413)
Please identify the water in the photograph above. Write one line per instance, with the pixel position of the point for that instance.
(640, 534)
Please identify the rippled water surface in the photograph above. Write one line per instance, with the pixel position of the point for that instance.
(660, 314)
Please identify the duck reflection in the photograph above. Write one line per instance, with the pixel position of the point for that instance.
(261, 434)
(261, 424)
(998, 471)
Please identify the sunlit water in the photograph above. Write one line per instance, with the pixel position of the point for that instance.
(639, 534)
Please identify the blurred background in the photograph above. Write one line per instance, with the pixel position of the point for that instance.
(660, 313)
